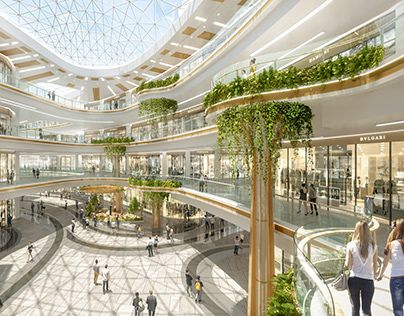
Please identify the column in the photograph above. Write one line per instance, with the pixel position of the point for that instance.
(17, 165)
(127, 170)
(102, 163)
(187, 170)
(17, 208)
(76, 162)
(399, 31)
(164, 164)
(217, 164)
(129, 130)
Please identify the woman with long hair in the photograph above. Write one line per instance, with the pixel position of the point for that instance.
(395, 251)
(361, 260)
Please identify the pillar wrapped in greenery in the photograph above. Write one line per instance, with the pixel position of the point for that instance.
(256, 131)
(156, 202)
(115, 152)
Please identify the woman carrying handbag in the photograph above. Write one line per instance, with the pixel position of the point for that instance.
(361, 260)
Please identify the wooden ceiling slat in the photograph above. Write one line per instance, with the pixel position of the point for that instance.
(206, 35)
(189, 30)
(38, 76)
(27, 64)
(180, 55)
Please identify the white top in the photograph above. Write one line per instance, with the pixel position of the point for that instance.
(397, 259)
(105, 274)
(361, 267)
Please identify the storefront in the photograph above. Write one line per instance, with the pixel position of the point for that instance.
(144, 165)
(363, 173)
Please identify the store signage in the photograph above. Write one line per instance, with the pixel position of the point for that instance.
(372, 138)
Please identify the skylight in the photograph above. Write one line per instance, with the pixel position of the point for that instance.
(96, 32)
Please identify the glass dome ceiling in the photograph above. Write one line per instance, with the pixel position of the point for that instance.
(95, 32)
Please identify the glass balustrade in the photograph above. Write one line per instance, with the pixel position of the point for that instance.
(380, 32)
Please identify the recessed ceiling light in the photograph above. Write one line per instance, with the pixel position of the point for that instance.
(21, 58)
(220, 24)
(152, 61)
(191, 47)
(85, 78)
(119, 78)
(14, 43)
(102, 79)
(112, 91)
(165, 64)
(132, 83)
(31, 69)
(53, 79)
(4, 44)
(174, 44)
(23, 122)
(135, 71)
(147, 75)
(199, 18)
(70, 74)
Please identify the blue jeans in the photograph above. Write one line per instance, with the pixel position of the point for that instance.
(361, 290)
(397, 295)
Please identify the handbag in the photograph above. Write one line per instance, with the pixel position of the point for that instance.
(340, 282)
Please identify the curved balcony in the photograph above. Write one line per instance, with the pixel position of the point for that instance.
(319, 256)
(382, 31)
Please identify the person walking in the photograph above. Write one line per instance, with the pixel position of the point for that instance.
(106, 276)
(201, 183)
(236, 245)
(37, 173)
(73, 225)
(96, 270)
(395, 252)
(77, 204)
(117, 221)
(30, 248)
(137, 304)
(241, 240)
(313, 199)
(303, 198)
(32, 208)
(168, 231)
(188, 281)
(34, 172)
(65, 204)
(155, 243)
(171, 235)
(361, 260)
(149, 247)
(95, 220)
(198, 289)
(151, 302)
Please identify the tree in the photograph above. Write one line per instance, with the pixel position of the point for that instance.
(156, 202)
(115, 152)
(134, 206)
(256, 131)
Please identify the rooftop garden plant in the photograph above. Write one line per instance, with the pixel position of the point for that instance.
(158, 83)
(339, 67)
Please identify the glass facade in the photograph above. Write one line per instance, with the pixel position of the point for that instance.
(363, 177)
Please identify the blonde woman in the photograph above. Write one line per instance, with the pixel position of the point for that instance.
(361, 260)
(395, 251)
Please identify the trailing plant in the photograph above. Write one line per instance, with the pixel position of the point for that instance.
(158, 83)
(113, 140)
(338, 67)
(92, 205)
(257, 131)
(154, 183)
(284, 301)
(114, 150)
(157, 107)
(134, 206)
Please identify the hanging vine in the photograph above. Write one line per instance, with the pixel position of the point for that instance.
(259, 129)
(158, 108)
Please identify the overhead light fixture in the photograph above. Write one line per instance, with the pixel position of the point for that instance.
(389, 123)
(135, 71)
(32, 69)
(52, 65)
(193, 98)
(301, 45)
(132, 83)
(199, 18)
(110, 89)
(21, 58)
(152, 61)
(35, 55)
(85, 78)
(70, 74)
(220, 24)
(147, 75)
(14, 43)
(53, 79)
(4, 44)
(102, 79)
(293, 27)
(82, 88)
(116, 77)
(165, 64)
(23, 122)
(191, 47)
(174, 44)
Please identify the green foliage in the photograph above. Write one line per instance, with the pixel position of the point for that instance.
(154, 183)
(113, 140)
(284, 302)
(155, 199)
(116, 150)
(158, 107)
(158, 83)
(257, 130)
(291, 78)
(92, 205)
(134, 206)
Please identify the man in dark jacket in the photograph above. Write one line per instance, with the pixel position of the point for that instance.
(188, 281)
(151, 302)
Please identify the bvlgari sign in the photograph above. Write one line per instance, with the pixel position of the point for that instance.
(372, 138)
